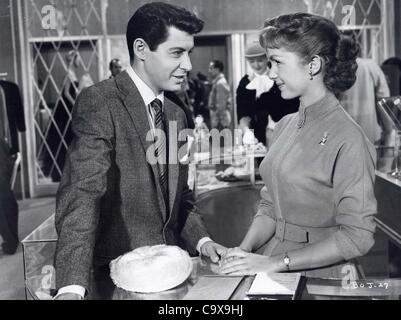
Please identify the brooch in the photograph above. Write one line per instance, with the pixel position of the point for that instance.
(324, 139)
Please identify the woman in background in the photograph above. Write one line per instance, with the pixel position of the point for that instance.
(317, 205)
(258, 97)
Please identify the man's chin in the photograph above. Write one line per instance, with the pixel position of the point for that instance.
(174, 87)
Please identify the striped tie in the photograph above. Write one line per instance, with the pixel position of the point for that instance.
(160, 147)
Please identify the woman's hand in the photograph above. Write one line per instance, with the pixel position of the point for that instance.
(239, 262)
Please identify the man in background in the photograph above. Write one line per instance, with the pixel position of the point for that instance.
(220, 100)
(115, 67)
(360, 100)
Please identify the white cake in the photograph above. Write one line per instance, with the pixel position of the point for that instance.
(151, 268)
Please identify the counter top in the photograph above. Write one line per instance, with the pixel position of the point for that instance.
(388, 178)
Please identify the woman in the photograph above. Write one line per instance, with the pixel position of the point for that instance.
(258, 97)
(317, 205)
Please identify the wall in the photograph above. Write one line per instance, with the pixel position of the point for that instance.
(7, 54)
(219, 15)
(397, 27)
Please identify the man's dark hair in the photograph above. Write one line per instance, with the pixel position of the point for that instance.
(150, 22)
(112, 62)
(218, 65)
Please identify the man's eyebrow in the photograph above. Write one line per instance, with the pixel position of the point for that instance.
(181, 49)
(177, 49)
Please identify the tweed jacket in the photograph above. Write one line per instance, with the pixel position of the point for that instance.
(109, 200)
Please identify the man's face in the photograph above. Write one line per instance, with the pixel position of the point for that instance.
(166, 67)
(213, 71)
(116, 68)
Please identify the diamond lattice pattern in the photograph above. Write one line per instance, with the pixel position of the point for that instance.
(368, 23)
(64, 61)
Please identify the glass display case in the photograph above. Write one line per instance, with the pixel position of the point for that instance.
(390, 108)
(228, 168)
(38, 254)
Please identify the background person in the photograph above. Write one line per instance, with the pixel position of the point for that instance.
(360, 100)
(258, 97)
(220, 101)
(115, 67)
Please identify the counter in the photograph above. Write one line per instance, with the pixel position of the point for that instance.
(388, 219)
(236, 201)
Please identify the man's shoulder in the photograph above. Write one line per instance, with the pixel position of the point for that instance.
(105, 85)
(104, 89)
(222, 82)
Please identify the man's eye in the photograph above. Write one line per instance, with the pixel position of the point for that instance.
(176, 53)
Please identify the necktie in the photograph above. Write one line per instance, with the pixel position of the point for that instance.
(161, 148)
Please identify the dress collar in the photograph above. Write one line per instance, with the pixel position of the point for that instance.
(317, 109)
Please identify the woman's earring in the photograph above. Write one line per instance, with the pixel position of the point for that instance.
(311, 75)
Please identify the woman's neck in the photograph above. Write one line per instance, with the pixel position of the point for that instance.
(314, 94)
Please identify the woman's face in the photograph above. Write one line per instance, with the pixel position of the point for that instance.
(258, 64)
(289, 72)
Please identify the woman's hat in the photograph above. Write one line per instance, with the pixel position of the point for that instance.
(254, 50)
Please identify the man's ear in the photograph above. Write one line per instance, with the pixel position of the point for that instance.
(316, 65)
(141, 48)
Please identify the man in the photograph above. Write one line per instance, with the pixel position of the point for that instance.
(115, 67)
(219, 97)
(8, 203)
(360, 100)
(12, 120)
(112, 198)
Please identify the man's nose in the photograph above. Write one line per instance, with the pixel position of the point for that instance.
(186, 62)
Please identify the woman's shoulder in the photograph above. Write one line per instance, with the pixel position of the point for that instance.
(244, 81)
(347, 131)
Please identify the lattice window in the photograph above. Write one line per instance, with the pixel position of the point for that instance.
(364, 16)
(64, 59)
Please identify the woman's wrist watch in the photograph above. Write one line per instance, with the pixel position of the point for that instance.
(287, 261)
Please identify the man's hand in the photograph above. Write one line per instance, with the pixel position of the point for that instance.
(213, 250)
(68, 296)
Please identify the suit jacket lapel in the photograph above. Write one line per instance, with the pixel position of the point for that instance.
(136, 108)
(170, 111)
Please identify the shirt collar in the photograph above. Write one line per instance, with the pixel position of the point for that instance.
(146, 93)
(218, 77)
(317, 109)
